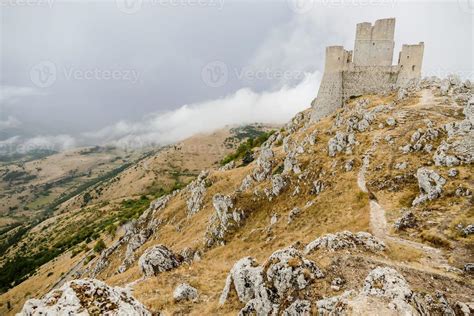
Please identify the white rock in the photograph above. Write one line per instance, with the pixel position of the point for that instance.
(185, 292)
(430, 184)
(246, 183)
(294, 212)
(158, 259)
(197, 190)
(391, 121)
(278, 184)
(264, 164)
(453, 172)
(84, 297)
(298, 308)
(346, 239)
(318, 187)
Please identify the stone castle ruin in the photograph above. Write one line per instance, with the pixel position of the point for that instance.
(368, 69)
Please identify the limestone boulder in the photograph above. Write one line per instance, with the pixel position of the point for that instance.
(346, 240)
(340, 142)
(291, 164)
(289, 270)
(408, 220)
(264, 288)
(298, 308)
(246, 277)
(225, 219)
(197, 190)
(430, 184)
(158, 259)
(185, 292)
(246, 183)
(279, 183)
(264, 164)
(85, 297)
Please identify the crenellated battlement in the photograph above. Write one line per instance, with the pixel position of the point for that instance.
(368, 69)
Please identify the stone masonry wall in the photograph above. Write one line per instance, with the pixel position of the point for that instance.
(359, 80)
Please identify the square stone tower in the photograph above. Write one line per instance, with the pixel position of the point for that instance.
(374, 44)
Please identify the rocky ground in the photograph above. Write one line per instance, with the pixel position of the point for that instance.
(368, 211)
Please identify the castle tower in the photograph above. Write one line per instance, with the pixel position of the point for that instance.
(374, 45)
(410, 60)
(330, 94)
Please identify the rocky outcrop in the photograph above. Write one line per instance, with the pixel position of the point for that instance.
(246, 183)
(458, 148)
(468, 230)
(344, 240)
(430, 184)
(408, 220)
(341, 142)
(85, 297)
(158, 259)
(135, 242)
(264, 164)
(421, 140)
(228, 166)
(225, 218)
(185, 292)
(389, 284)
(293, 214)
(318, 187)
(296, 123)
(291, 164)
(298, 308)
(349, 165)
(264, 288)
(385, 291)
(278, 184)
(197, 191)
(137, 233)
(246, 277)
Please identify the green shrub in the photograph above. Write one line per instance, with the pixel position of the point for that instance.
(99, 246)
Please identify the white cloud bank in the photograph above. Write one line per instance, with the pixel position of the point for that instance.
(17, 144)
(243, 107)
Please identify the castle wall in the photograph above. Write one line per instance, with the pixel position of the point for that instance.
(330, 96)
(374, 45)
(360, 80)
(410, 61)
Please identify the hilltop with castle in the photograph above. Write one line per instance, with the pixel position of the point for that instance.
(368, 69)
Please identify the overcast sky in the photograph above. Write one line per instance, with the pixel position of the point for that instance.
(137, 72)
